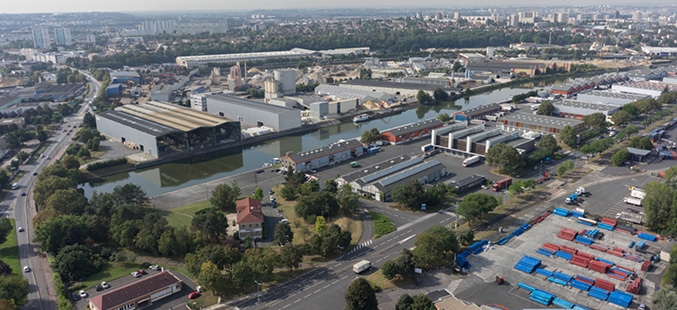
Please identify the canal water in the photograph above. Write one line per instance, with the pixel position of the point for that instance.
(168, 177)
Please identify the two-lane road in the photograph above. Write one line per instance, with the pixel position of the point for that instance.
(324, 287)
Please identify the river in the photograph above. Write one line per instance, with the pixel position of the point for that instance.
(169, 177)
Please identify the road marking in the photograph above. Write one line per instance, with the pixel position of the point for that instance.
(315, 292)
(297, 300)
(321, 272)
(338, 264)
(386, 256)
(285, 307)
(337, 281)
(326, 286)
(408, 231)
(380, 259)
(405, 239)
(376, 246)
(304, 297)
(344, 277)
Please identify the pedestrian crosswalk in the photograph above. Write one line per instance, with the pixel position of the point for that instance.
(360, 246)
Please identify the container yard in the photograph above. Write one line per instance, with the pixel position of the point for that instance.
(566, 260)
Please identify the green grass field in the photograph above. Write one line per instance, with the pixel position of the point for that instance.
(184, 215)
(9, 251)
(382, 224)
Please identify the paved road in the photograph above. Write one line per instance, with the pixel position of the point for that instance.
(41, 289)
(324, 287)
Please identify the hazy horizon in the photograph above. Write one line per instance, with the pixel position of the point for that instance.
(45, 6)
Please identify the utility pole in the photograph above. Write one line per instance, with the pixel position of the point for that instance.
(340, 249)
(258, 292)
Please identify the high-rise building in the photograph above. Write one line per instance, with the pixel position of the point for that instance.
(63, 36)
(439, 16)
(41, 38)
(457, 15)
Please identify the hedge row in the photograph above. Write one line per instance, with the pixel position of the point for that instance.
(106, 164)
(61, 292)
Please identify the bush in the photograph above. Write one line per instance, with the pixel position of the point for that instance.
(106, 164)
(620, 157)
(565, 167)
(61, 292)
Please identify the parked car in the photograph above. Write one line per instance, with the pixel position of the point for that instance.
(270, 192)
(35, 173)
(98, 287)
(27, 269)
(154, 267)
(83, 294)
(21, 229)
(23, 193)
(194, 295)
(141, 271)
(136, 274)
(105, 284)
(75, 296)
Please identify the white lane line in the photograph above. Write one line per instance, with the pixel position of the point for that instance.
(326, 286)
(297, 300)
(405, 239)
(285, 307)
(344, 277)
(304, 297)
(337, 281)
(339, 264)
(376, 246)
(315, 292)
(380, 259)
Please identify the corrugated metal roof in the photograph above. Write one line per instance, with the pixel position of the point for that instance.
(138, 123)
(180, 118)
(378, 175)
(409, 172)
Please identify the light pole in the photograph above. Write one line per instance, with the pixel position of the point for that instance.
(258, 292)
(540, 172)
(340, 249)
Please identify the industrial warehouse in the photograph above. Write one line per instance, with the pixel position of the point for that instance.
(379, 180)
(252, 112)
(322, 157)
(410, 132)
(462, 139)
(538, 123)
(160, 129)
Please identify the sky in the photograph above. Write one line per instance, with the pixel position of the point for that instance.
(52, 6)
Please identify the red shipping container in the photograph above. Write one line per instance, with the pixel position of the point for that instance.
(609, 221)
(605, 285)
(569, 250)
(599, 247)
(619, 254)
(551, 246)
(586, 255)
(646, 265)
(581, 263)
(584, 280)
(625, 268)
(617, 249)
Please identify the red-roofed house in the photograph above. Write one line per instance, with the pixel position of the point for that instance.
(249, 218)
(138, 294)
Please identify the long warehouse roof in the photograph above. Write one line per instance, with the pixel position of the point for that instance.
(173, 116)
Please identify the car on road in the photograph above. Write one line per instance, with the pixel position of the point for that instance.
(272, 198)
(270, 192)
(154, 267)
(313, 171)
(83, 294)
(42, 155)
(75, 296)
(105, 284)
(284, 221)
(98, 288)
(21, 229)
(136, 274)
(35, 173)
(259, 171)
(27, 269)
(23, 193)
(141, 271)
(194, 295)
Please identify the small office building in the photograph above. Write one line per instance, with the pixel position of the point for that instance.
(578, 109)
(325, 156)
(138, 294)
(537, 123)
(425, 172)
(124, 77)
(249, 218)
(467, 183)
(477, 112)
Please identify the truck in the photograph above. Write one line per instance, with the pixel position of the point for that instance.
(571, 199)
(361, 266)
(471, 160)
(427, 147)
(630, 217)
(633, 201)
(637, 193)
(581, 192)
(499, 185)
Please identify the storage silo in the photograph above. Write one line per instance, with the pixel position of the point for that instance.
(287, 80)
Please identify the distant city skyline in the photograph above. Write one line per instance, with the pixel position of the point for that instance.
(50, 6)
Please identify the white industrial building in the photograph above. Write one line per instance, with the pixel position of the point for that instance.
(337, 92)
(325, 156)
(643, 88)
(578, 109)
(332, 108)
(194, 61)
(253, 113)
(609, 97)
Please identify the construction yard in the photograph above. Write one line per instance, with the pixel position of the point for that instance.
(566, 262)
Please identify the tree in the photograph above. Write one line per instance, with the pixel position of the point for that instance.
(658, 203)
(291, 256)
(474, 205)
(47, 185)
(404, 302)
(440, 95)
(130, 194)
(9, 304)
(568, 136)
(595, 120)
(621, 118)
(241, 274)
(665, 298)
(262, 261)
(211, 226)
(424, 98)
(370, 136)
(468, 237)
(223, 198)
(444, 117)
(14, 288)
(70, 162)
(283, 234)
(311, 186)
(67, 201)
(315, 204)
(434, 246)
(361, 296)
(389, 269)
(5, 228)
(258, 193)
(620, 157)
(547, 142)
(320, 224)
(42, 136)
(153, 228)
(642, 143)
(545, 108)
(409, 196)
(51, 233)
(210, 277)
(75, 262)
(422, 302)
(5, 270)
(503, 156)
(330, 186)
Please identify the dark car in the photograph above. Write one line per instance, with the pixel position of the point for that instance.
(141, 271)
(23, 193)
(35, 173)
(75, 297)
(98, 287)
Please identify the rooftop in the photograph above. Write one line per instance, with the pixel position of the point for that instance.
(378, 175)
(393, 84)
(638, 152)
(172, 116)
(138, 123)
(374, 168)
(467, 180)
(134, 290)
(409, 174)
(541, 120)
(249, 103)
(124, 74)
(249, 211)
(325, 151)
(481, 109)
(409, 128)
(566, 105)
(609, 94)
(293, 52)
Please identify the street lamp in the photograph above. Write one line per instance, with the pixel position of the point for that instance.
(540, 172)
(258, 292)
(340, 249)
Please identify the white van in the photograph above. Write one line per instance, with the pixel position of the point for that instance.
(15, 185)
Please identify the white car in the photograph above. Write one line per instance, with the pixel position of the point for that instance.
(136, 274)
(21, 229)
(27, 269)
(154, 267)
(104, 284)
(83, 294)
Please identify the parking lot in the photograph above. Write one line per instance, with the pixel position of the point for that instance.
(172, 301)
(500, 260)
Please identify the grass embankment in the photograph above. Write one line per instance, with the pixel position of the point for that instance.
(382, 224)
(183, 216)
(379, 281)
(9, 251)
